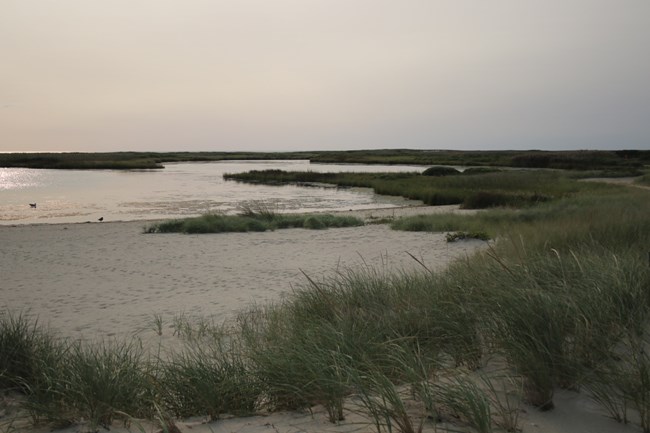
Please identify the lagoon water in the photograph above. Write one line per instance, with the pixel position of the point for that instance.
(179, 190)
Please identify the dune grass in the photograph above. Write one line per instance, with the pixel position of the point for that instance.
(21, 341)
(210, 379)
(95, 382)
(560, 299)
(569, 280)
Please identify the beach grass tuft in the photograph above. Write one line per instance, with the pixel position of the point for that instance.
(209, 379)
(21, 344)
(463, 397)
(385, 402)
(95, 382)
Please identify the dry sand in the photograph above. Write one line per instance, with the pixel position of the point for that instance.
(105, 279)
(109, 279)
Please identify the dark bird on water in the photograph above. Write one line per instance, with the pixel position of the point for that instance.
(101, 219)
(32, 205)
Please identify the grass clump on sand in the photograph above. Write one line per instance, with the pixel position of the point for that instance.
(252, 220)
(210, 379)
(22, 343)
(63, 382)
(103, 381)
(210, 223)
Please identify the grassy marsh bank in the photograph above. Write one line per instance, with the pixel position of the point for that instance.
(129, 160)
(560, 300)
(623, 161)
(472, 190)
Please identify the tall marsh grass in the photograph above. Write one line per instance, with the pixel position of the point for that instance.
(472, 191)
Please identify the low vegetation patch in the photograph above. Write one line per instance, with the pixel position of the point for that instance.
(440, 171)
(252, 221)
(644, 179)
(459, 236)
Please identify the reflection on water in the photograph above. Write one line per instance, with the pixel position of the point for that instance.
(18, 178)
(181, 189)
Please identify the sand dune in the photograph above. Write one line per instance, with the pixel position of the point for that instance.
(108, 279)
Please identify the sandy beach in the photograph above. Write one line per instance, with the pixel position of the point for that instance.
(109, 278)
(99, 280)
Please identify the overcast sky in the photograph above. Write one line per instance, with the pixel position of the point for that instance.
(104, 75)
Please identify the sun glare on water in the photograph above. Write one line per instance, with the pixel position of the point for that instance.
(18, 178)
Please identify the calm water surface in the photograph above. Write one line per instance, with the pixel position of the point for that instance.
(180, 190)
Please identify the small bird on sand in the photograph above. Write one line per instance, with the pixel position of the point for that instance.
(32, 205)
(101, 219)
